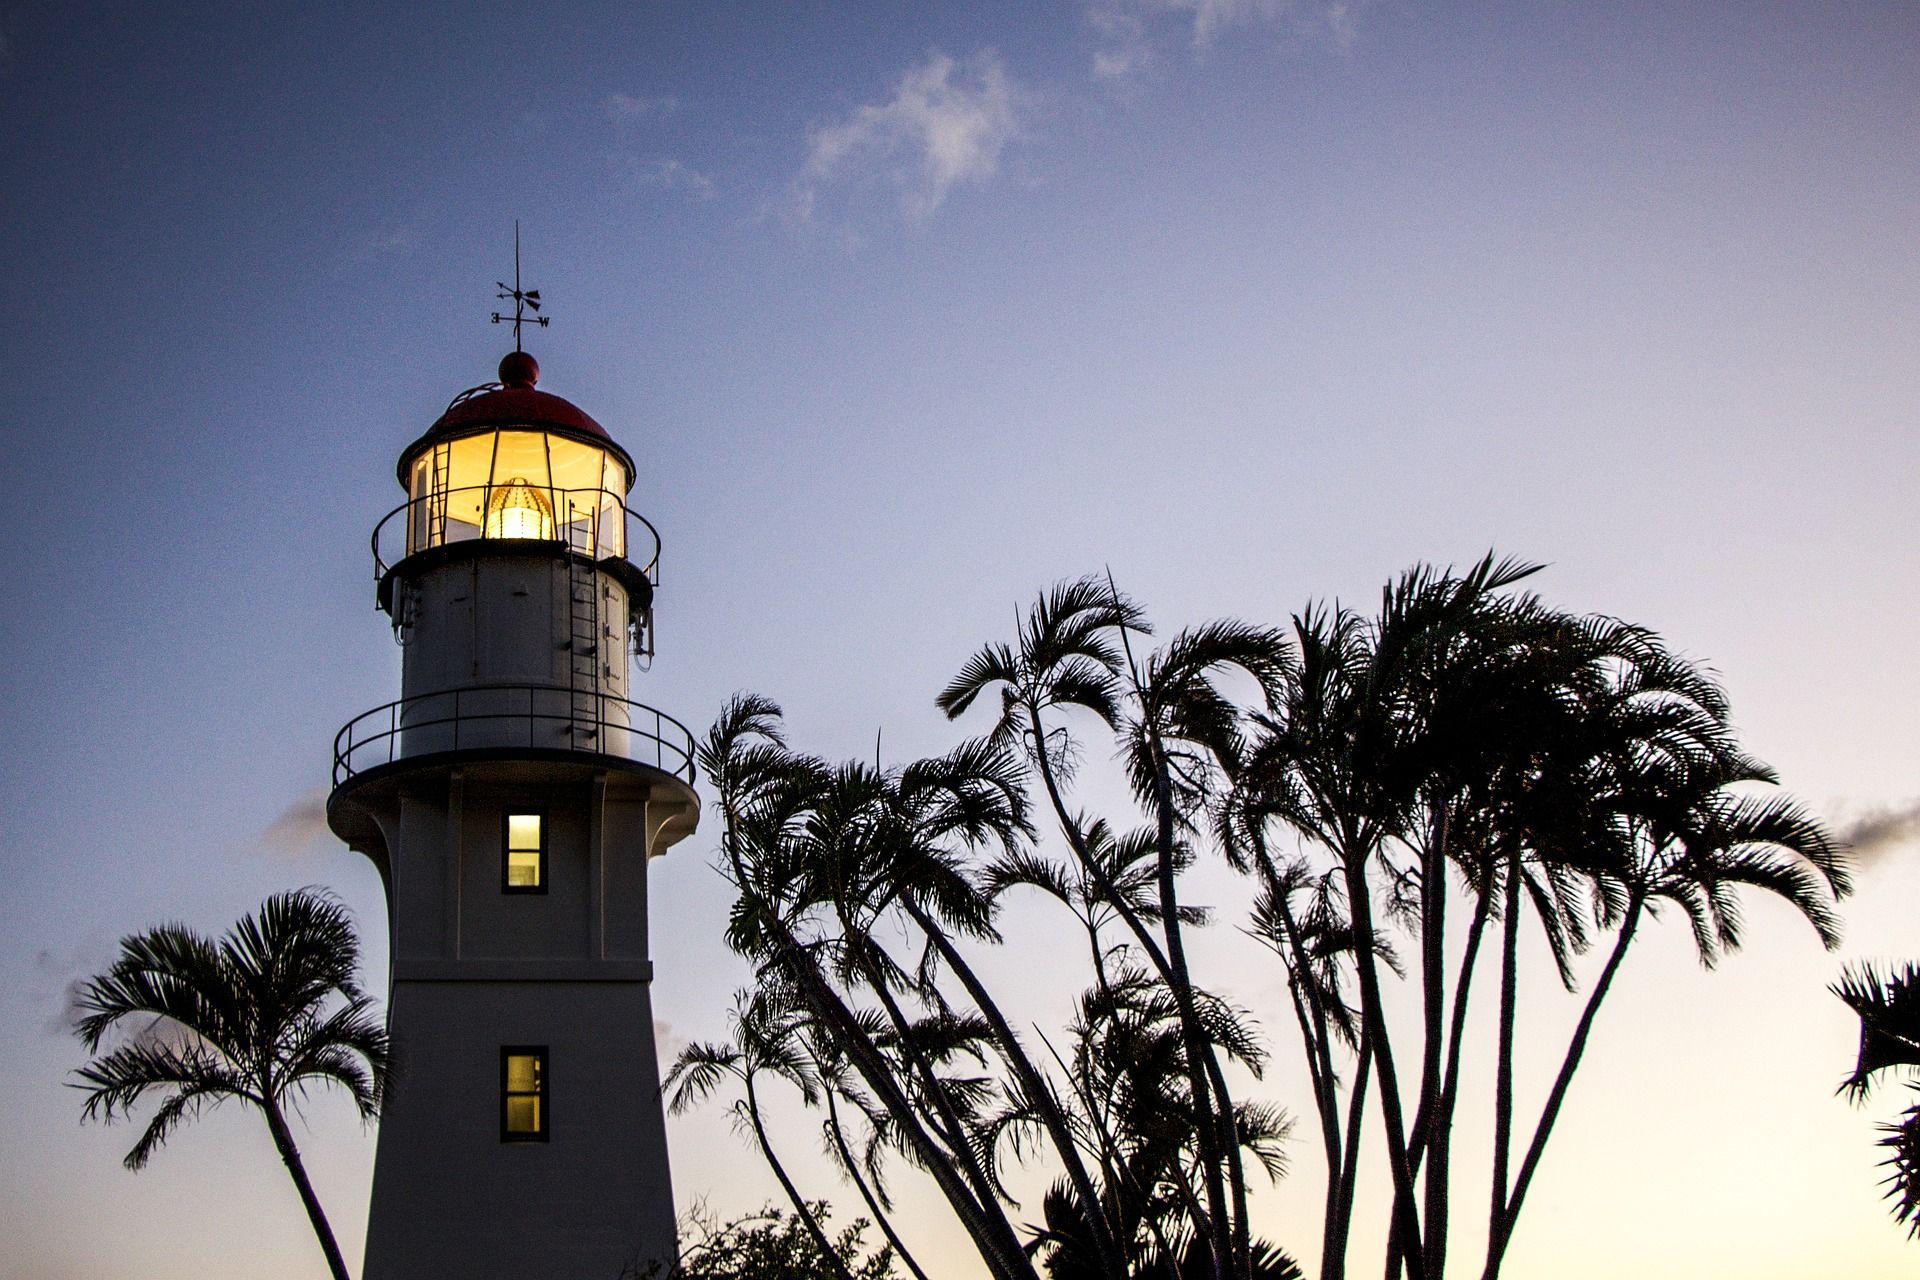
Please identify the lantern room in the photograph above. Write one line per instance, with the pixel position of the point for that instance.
(509, 463)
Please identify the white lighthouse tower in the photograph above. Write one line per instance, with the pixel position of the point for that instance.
(511, 799)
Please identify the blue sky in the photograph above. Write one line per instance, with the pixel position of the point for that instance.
(906, 311)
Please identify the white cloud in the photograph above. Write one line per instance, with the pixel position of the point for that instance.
(945, 124)
(1127, 29)
(667, 174)
(386, 243)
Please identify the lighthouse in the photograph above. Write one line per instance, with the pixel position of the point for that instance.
(511, 799)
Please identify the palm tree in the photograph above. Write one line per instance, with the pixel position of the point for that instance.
(768, 798)
(1182, 735)
(767, 1040)
(1888, 1004)
(1666, 811)
(261, 1016)
(1070, 654)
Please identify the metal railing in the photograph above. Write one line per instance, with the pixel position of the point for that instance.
(594, 522)
(512, 717)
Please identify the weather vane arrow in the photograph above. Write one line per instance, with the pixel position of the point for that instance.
(524, 300)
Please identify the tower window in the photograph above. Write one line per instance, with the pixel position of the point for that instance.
(523, 1093)
(525, 867)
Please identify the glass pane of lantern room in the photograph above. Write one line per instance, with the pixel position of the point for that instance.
(576, 466)
(613, 512)
(470, 462)
(576, 484)
(522, 456)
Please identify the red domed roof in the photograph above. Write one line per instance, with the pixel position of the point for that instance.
(512, 406)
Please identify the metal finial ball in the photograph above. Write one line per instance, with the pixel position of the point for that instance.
(518, 369)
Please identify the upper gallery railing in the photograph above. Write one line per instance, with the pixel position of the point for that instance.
(594, 522)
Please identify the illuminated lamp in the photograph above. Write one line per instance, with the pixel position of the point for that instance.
(518, 510)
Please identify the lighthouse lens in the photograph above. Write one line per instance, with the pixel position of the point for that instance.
(518, 510)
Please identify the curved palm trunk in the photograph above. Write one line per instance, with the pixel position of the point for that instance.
(290, 1156)
(1032, 1083)
(991, 1232)
(825, 1245)
(953, 1128)
(866, 1193)
(1218, 1232)
(1097, 873)
(1503, 1233)
(985, 1224)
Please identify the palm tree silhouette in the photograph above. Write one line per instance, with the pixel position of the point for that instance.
(263, 1015)
(1888, 1003)
(768, 798)
(768, 1040)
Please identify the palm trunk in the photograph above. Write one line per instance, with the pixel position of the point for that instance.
(1503, 1069)
(1406, 1221)
(1499, 1238)
(1433, 977)
(1438, 1149)
(290, 1156)
(1174, 976)
(866, 1193)
(825, 1245)
(1032, 1083)
(1336, 1236)
(1316, 1044)
(953, 1128)
(985, 1224)
(1207, 1120)
(1091, 865)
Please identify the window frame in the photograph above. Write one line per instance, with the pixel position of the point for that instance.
(543, 1069)
(507, 850)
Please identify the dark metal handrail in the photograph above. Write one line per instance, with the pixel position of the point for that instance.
(552, 717)
(394, 537)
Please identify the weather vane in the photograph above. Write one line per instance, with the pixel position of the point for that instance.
(524, 300)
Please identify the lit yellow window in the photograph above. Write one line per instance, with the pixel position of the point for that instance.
(526, 861)
(523, 1093)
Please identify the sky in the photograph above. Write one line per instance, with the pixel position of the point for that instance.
(905, 312)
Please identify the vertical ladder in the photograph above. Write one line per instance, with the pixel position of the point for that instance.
(438, 495)
(583, 650)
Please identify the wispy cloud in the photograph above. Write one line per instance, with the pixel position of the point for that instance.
(66, 974)
(667, 174)
(1130, 31)
(666, 1043)
(385, 243)
(301, 826)
(944, 125)
(636, 158)
(1876, 833)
